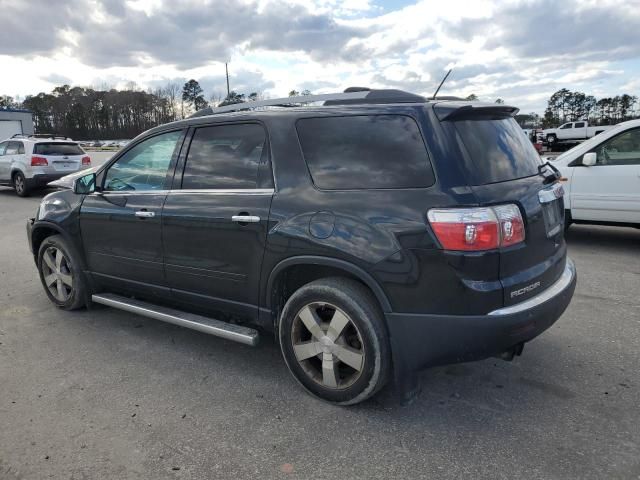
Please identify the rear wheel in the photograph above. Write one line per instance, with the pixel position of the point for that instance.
(20, 184)
(60, 273)
(334, 341)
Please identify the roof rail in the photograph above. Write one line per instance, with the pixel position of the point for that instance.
(351, 96)
(40, 135)
(281, 102)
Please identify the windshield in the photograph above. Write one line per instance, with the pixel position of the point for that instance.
(589, 144)
(498, 148)
(57, 149)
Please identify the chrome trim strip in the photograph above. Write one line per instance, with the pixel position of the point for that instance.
(231, 191)
(558, 287)
(212, 191)
(245, 219)
(229, 331)
(550, 194)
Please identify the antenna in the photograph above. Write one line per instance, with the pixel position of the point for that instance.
(440, 86)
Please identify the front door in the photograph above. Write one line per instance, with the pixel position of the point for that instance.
(121, 224)
(610, 190)
(214, 223)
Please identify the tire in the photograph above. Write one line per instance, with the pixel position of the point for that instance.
(317, 360)
(61, 277)
(20, 184)
(551, 139)
(567, 220)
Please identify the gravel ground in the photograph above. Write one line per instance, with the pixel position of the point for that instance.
(105, 394)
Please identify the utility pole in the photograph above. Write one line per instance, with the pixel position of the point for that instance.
(226, 68)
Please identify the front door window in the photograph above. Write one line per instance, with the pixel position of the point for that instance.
(145, 166)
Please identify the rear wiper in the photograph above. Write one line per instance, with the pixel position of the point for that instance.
(549, 177)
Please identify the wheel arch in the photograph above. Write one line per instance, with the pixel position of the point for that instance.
(42, 230)
(348, 269)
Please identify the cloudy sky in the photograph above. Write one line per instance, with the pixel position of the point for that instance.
(521, 51)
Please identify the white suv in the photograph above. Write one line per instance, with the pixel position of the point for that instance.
(28, 162)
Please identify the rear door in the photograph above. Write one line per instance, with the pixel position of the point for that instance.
(4, 163)
(62, 157)
(215, 221)
(610, 190)
(505, 169)
(121, 224)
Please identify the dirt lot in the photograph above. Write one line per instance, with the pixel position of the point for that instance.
(104, 394)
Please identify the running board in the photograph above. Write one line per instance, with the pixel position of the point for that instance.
(229, 331)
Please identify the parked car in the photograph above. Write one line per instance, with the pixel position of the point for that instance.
(602, 178)
(28, 162)
(376, 235)
(572, 131)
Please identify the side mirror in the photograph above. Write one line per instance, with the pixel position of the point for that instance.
(85, 184)
(589, 159)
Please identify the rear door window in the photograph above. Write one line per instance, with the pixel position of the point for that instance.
(365, 152)
(13, 148)
(225, 157)
(57, 149)
(497, 149)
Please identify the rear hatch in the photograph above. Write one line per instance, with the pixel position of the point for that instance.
(504, 167)
(62, 157)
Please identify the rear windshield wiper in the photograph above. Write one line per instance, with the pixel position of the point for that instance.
(549, 177)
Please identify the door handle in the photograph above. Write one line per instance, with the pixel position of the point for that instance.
(145, 214)
(245, 218)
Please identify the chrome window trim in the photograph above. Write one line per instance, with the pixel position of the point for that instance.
(557, 288)
(221, 191)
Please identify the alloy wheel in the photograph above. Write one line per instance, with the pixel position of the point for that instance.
(56, 274)
(328, 345)
(18, 183)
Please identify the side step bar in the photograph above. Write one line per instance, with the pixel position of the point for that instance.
(237, 333)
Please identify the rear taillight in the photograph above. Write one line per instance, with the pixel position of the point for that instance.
(86, 160)
(475, 229)
(39, 162)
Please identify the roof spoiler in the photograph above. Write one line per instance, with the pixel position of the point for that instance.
(465, 111)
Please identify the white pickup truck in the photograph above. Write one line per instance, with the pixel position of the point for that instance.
(572, 131)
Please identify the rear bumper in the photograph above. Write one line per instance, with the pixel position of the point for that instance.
(41, 179)
(419, 341)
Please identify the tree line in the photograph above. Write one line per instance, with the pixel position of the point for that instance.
(84, 113)
(567, 106)
(107, 113)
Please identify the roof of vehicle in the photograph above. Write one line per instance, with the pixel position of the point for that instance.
(352, 98)
(39, 138)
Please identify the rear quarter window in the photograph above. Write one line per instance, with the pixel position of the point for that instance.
(365, 152)
(57, 149)
(498, 148)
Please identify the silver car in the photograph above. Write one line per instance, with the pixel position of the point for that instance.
(29, 162)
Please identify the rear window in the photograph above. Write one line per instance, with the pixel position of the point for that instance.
(57, 148)
(498, 149)
(365, 152)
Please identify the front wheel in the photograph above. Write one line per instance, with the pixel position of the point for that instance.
(60, 273)
(334, 341)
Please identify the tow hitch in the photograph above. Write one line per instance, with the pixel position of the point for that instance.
(508, 355)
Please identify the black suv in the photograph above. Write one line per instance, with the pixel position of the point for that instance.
(377, 234)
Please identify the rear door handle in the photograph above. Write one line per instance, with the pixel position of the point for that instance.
(245, 218)
(145, 214)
